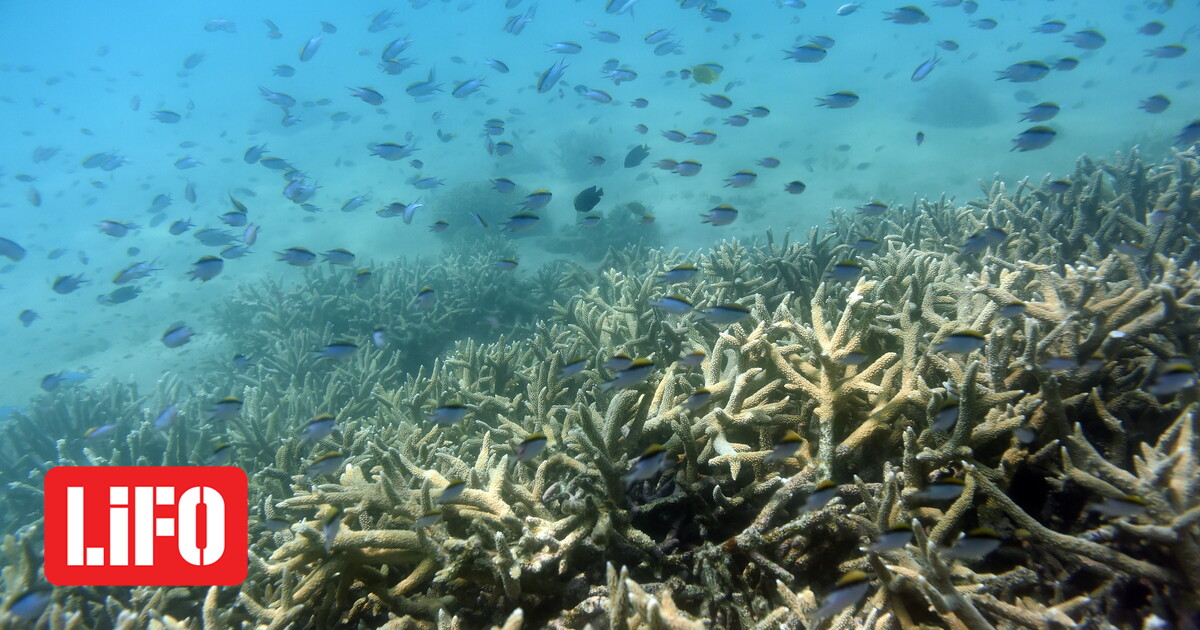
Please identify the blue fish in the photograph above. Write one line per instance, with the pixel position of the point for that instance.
(550, 77)
(1033, 138)
(925, 68)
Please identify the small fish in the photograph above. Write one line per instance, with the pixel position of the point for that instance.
(30, 605)
(720, 215)
(872, 209)
(907, 15)
(1178, 374)
(27, 317)
(692, 359)
(944, 490)
(636, 156)
(66, 284)
(618, 362)
(506, 264)
(986, 24)
(839, 100)
(571, 368)
(206, 268)
(449, 413)
(254, 154)
(452, 491)
(845, 271)
(11, 250)
(330, 520)
(719, 101)
(250, 234)
(925, 68)
(177, 335)
(319, 428)
(530, 447)
(822, 494)
(637, 371)
(537, 200)
(795, 187)
(1120, 507)
(808, 53)
(587, 199)
(117, 229)
(362, 278)
(848, 8)
(297, 256)
(328, 463)
(550, 77)
(646, 466)
(336, 351)
(167, 418)
(1012, 309)
(1087, 40)
(310, 48)
(1051, 26)
(166, 116)
(964, 341)
(521, 222)
(697, 399)
(1066, 64)
(741, 179)
(1151, 28)
(1156, 104)
(51, 382)
(426, 298)
(947, 415)
(677, 275)
(895, 538)
(221, 455)
(849, 590)
(1190, 134)
(974, 544)
(368, 95)
(1033, 138)
(379, 337)
(726, 314)
(1041, 112)
(786, 447)
(851, 357)
(503, 185)
(673, 304)
(429, 519)
(339, 257)
(226, 409)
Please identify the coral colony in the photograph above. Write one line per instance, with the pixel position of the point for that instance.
(938, 415)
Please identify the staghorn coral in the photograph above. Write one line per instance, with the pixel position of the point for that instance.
(724, 536)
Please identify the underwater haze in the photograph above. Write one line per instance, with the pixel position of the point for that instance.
(698, 305)
(92, 88)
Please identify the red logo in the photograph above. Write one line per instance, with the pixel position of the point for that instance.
(146, 525)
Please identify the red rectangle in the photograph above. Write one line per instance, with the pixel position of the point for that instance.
(146, 525)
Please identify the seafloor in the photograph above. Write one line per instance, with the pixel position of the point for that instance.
(1074, 437)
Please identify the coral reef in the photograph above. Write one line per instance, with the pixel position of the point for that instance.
(1054, 432)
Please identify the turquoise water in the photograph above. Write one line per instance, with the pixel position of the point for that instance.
(73, 73)
(87, 87)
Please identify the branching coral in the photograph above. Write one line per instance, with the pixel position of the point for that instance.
(1035, 434)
